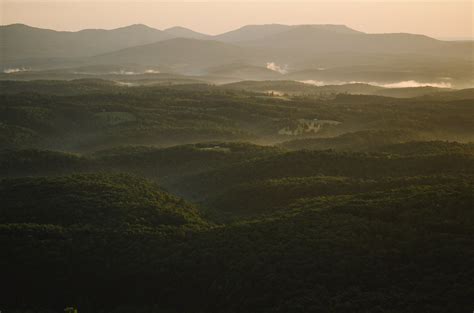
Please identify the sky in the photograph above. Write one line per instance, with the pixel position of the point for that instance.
(445, 19)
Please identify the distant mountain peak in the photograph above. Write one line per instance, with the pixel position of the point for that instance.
(139, 26)
(20, 26)
(136, 27)
(252, 32)
(179, 31)
(16, 25)
(339, 28)
(176, 28)
(263, 25)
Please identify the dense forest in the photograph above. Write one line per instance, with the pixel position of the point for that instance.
(201, 198)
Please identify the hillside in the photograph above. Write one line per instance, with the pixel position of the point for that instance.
(291, 87)
(129, 195)
(90, 115)
(317, 88)
(94, 199)
(327, 242)
(322, 163)
(177, 53)
(230, 226)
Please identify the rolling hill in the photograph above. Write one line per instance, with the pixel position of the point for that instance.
(93, 199)
(178, 53)
(305, 88)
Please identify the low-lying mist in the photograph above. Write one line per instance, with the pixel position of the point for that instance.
(277, 68)
(400, 84)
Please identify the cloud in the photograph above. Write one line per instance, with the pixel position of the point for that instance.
(401, 84)
(313, 82)
(123, 72)
(14, 70)
(275, 67)
(413, 83)
(152, 72)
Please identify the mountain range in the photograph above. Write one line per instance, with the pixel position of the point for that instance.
(326, 52)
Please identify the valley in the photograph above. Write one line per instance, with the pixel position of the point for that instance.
(272, 168)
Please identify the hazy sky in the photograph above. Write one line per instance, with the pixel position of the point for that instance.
(441, 19)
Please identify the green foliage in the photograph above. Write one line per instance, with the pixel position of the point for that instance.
(250, 200)
(31, 162)
(97, 114)
(325, 163)
(358, 141)
(14, 137)
(93, 199)
(429, 147)
(383, 226)
(391, 250)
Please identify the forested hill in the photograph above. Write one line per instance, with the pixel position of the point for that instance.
(199, 198)
(88, 115)
(106, 242)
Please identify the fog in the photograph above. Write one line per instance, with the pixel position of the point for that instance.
(277, 68)
(15, 70)
(400, 84)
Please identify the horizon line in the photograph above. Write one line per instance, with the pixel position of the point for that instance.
(443, 38)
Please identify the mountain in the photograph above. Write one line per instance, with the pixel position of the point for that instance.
(331, 54)
(251, 32)
(309, 39)
(20, 41)
(178, 54)
(258, 32)
(325, 38)
(182, 32)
